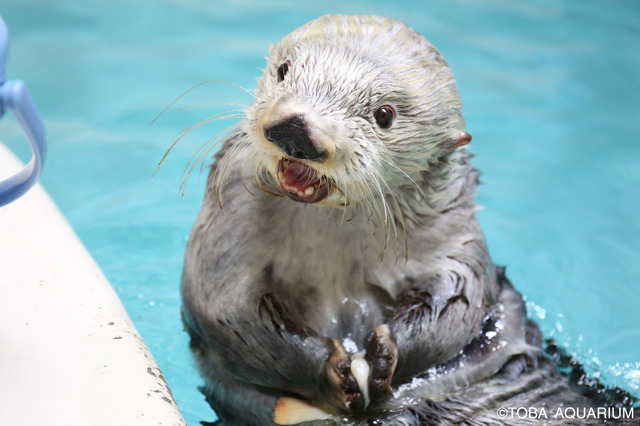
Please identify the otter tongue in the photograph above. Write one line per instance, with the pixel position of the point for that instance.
(299, 176)
(300, 182)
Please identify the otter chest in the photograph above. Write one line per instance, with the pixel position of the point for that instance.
(320, 269)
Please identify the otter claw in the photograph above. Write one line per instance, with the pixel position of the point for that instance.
(342, 379)
(360, 369)
(382, 356)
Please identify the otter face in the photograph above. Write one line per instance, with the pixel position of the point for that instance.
(350, 107)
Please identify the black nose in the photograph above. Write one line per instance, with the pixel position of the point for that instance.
(292, 135)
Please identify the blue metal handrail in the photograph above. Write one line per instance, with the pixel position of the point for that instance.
(15, 97)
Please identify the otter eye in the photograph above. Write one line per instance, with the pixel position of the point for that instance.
(282, 70)
(384, 116)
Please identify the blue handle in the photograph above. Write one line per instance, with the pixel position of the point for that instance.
(15, 97)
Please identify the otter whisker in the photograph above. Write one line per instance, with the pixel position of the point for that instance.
(213, 103)
(405, 174)
(185, 132)
(213, 143)
(217, 138)
(356, 209)
(247, 91)
(243, 176)
(309, 176)
(195, 87)
(220, 116)
(222, 172)
(262, 177)
(201, 154)
(399, 217)
(445, 163)
(386, 223)
(176, 100)
(390, 226)
(346, 199)
(369, 202)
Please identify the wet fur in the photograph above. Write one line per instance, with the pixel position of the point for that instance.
(270, 285)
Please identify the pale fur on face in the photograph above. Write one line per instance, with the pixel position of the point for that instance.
(342, 68)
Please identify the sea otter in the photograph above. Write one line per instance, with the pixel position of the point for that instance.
(337, 273)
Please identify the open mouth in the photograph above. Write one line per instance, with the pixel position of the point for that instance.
(301, 182)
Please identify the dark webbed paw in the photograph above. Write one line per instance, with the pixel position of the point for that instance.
(382, 357)
(342, 379)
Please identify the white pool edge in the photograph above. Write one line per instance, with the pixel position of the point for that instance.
(69, 353)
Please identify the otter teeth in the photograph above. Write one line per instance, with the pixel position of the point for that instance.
(308, 191)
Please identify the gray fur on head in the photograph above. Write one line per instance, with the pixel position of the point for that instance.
(337, 273)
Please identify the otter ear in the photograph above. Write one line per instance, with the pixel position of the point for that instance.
(461, 138)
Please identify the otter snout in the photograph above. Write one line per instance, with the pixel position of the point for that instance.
(292, 135)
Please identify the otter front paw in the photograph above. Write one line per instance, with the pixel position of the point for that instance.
(342, 379)
(382, 356)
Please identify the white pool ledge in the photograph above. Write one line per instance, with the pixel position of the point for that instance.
(69, 353)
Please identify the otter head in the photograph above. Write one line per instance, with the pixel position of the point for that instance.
(350, 107)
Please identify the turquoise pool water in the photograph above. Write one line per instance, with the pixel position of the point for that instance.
(551, 98)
